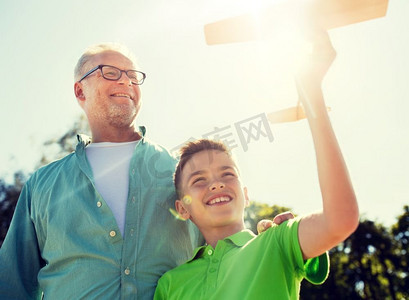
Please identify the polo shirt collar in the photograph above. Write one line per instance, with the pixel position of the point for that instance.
(241, 238)
(238, 239)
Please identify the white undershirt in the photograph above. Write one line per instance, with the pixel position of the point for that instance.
(110, 166)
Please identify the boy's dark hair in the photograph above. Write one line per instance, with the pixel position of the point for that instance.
(191, 148)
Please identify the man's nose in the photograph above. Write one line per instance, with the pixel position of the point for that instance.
(124, 79)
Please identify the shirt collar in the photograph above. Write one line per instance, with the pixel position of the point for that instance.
(238, 239)
(241, 238)
(84, 140)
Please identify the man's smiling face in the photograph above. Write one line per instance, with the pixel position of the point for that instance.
(115, 103)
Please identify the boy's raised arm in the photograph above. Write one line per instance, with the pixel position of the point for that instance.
(339, 218)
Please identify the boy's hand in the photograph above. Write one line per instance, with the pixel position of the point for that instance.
(312, 68)
(316, 59)
(263, 225)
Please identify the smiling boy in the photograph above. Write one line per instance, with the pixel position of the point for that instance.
(235, 264)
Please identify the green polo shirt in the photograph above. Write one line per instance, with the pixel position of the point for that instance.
(64, 240)
(245, 266)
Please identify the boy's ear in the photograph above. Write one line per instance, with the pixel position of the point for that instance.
(246, 197)
(182, 211)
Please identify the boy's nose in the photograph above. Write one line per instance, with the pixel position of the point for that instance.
(216, 185)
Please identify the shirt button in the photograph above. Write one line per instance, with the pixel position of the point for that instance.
(127, 271)
(133, 171)
(212, 270)
(112, 233)
(99, 203)
(210, 252)
(133, 199)
(215, 260)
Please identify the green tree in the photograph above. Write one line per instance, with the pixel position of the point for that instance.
(259, 211)
(53, 149)
(400, 232)
(355, 270)
(371, 264)
(367, 265)
(59, 147)
(9, 194)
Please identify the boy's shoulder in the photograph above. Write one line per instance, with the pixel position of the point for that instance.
(245, 239)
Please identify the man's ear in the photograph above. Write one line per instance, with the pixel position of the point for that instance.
(246, 197)
(78, 91)
(182, 211)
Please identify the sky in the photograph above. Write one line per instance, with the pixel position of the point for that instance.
(194, 90)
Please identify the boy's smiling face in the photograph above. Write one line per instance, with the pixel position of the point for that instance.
(213, 195)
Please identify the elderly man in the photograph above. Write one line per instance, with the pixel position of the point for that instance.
(96, 224)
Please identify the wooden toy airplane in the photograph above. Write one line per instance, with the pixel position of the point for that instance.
(327, 14)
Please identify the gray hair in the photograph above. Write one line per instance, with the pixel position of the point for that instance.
(93, 50)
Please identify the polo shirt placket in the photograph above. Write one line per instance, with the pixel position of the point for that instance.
(214, 258)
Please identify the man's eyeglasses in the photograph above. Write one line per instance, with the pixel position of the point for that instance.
(113, 73)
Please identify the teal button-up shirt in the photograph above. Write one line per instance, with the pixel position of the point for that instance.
(64, 240)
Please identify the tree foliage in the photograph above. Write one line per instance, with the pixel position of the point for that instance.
(371, 264)
(259, 211)
(367, 265)
(53, 149)
(9, 194)
(59, 147)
